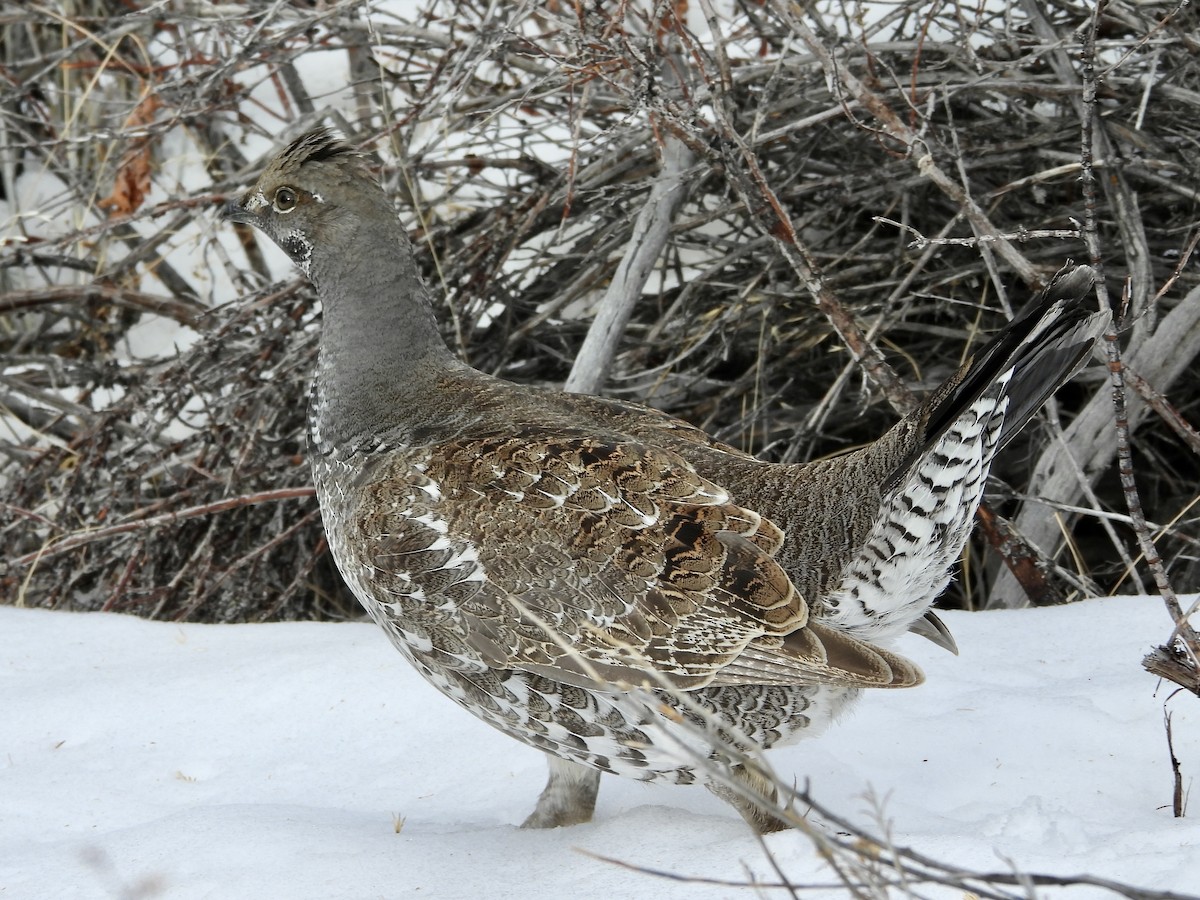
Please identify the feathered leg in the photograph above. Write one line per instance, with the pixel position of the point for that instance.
(757, 785)
(569, 797)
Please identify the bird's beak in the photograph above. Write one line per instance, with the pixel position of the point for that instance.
(233, 211)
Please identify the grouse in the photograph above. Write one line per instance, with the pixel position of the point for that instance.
(595, 578)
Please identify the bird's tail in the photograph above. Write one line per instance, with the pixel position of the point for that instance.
(1027, 361)
(935, 487)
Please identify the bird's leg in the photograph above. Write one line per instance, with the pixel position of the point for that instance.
(569, 797)
(756, 814)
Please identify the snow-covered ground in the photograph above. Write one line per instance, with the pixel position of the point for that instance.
(143, 759)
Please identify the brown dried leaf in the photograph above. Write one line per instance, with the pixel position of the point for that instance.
(133, 177)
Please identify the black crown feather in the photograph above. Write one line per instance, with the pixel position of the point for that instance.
(318, 145)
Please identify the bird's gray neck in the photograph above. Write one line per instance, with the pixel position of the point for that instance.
(380, 350)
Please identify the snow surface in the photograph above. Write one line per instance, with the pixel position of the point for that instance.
(274, 761)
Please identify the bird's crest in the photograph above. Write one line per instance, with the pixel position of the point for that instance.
(317, 145)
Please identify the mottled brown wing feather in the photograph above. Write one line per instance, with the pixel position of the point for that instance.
(819, 653)
(605, 561)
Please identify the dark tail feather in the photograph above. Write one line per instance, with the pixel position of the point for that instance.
(1048, 340)
(1044, 346)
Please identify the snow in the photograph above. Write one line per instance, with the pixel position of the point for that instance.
(279, 761)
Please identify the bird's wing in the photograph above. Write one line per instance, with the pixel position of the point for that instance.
(594, 562)
(819, 653)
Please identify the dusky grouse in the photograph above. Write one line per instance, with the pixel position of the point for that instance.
(593, 577)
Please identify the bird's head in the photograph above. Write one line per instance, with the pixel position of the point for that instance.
(312, 199)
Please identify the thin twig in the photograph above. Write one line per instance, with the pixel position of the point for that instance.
(79, 539)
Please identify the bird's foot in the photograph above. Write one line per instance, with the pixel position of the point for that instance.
(757, 802)
(569, 797)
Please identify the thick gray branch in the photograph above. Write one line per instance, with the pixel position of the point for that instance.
(650, 233)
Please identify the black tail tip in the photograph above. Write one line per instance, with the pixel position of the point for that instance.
(1073, 281)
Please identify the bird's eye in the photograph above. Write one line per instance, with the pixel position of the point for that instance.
(285, 200)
